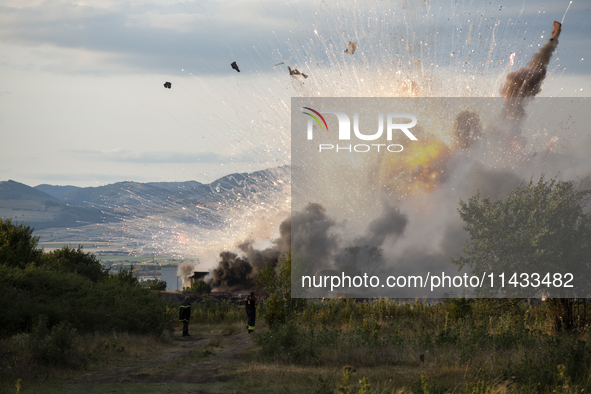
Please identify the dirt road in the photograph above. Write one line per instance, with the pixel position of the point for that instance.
(201, 358)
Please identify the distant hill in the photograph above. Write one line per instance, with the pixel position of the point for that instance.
(76, 206)
(56, 191)
(11, 190)
(176, 186)
(37, 209)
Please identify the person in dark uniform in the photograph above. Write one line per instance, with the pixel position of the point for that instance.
(251, 311)
(185, 315)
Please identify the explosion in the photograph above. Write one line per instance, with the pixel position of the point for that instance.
(419, 171)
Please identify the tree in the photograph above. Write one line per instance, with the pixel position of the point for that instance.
(125, 277)
(76, 261)
(276, 279)
(157, 284)
(200, 287)
(277, 282)
(18, 246)
(540, 232)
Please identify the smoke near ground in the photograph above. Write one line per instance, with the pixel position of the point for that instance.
(309, 230)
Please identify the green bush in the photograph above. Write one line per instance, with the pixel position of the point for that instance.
(55, 346)
(18, 246)
(217, 311)
(66, 297)
(200, 287)
(275, 312)
(157, 284)
(75, 261)
(125, 277)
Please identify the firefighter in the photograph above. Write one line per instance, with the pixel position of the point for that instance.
(251, 311)
(185, 315)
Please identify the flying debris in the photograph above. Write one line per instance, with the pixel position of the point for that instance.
(167, 85)
(235, 66)
(527, 81)
(295, 71)
(278, 64)
(351, 48)
(556, 31)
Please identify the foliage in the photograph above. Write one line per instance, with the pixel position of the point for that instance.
(105, 306)
(458, 308)
(200, 287)
(502, 343)
(125, 277)
(425, 385)
(55, 346)
(76, 261)
(539, 228)
(217, 311)
(157, 284)
(277, 283)
(18, 246)
(276, 279)
(276, 312)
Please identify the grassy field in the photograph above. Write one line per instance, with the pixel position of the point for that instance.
(337, 346)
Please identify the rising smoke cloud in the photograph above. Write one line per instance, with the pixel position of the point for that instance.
(527, 81)
(309, 230)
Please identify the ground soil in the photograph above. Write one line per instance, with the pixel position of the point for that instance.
(200, 358)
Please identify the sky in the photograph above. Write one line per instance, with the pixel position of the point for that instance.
(82, 100)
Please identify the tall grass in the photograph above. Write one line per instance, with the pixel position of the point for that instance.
(512, 342)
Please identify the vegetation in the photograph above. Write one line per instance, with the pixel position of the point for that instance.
(61, 311)
(157, 284)
(200, 287)
(540, 233)
(51, 298)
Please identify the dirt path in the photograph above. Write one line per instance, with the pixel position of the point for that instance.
(197, 359)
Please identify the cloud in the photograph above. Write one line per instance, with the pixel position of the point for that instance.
(207, 36)
(99, 178)
(160, 157)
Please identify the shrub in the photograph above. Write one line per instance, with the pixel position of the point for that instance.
(200, 287)
(66, 297)
(75, 261)
(18, 246)
(275, 313)
(125, 277)
(157, 284)
(55, 346)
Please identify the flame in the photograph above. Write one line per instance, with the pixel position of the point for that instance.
(417, 170)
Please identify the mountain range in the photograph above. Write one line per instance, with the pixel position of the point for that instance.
(47, 206)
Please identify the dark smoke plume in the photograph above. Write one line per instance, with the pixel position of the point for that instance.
(311, 233)
(311, 228)
(232, 273)
(258, 258)
(527, 81)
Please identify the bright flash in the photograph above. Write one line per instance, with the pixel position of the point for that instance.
(512, 58)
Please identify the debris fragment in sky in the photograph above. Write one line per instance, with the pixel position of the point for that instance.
(235, 66)
(278, 64)
(351, 48)
(167, 85)
(295, 71)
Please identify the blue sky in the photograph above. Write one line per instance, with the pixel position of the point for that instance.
(82, 100)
